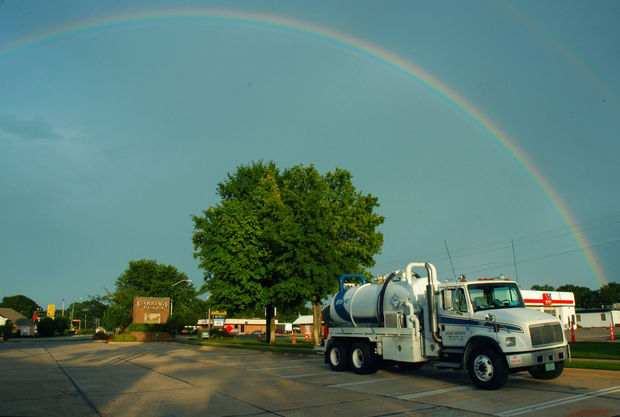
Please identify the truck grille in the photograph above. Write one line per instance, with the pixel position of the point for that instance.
(546, 334)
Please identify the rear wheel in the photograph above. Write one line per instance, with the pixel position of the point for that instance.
(541, 372)
(337, 356)
(487, 368)
(363, 360)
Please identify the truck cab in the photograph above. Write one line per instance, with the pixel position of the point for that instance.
(485, 327)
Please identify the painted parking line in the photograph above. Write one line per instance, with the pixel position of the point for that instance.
(434, 392)
(368, 381)
(560, 401)
(303, 375)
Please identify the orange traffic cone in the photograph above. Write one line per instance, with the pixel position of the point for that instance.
(307, 337)
(294, 338)
(611, 332)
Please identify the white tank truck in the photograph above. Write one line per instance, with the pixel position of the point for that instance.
(482, 326)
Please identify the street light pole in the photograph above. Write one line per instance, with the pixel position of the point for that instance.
(178, 282)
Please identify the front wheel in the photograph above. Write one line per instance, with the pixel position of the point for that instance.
(541, 372)
(363, 360)
(487, 368)
(337, 356)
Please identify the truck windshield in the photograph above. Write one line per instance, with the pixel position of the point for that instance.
(495, 295)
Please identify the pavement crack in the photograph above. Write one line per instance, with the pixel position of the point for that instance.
(81, 393)
(163, 374)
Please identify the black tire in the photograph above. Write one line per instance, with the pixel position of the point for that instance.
(337, 356)
(539, 371)
(362, 359)
(410, 366)
(487, 368)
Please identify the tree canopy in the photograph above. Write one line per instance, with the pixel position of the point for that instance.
(280, 239)
(22, 304)
(333, 230)
(147, 278)
(89, 312)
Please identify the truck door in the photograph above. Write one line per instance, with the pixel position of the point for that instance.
(454, 317)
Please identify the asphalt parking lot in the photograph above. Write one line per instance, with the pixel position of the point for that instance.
(89, 378)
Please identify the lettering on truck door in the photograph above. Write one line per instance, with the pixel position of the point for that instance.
(454, 317)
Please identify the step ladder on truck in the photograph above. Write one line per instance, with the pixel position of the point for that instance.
(482, 326)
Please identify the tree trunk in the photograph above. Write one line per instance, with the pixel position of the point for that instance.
(270, 317)
(317, 329)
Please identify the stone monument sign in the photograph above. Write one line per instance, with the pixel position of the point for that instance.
(151, 309)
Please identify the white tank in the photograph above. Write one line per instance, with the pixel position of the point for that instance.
(360, 305)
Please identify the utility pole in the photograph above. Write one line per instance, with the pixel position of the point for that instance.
(450, 257)
(514, 258)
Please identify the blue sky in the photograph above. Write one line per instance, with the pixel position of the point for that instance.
(112, 137)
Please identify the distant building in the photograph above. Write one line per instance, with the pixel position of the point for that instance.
(22, 326)
(238, 326)
(304, 323)
(557, 303)
(601, 317)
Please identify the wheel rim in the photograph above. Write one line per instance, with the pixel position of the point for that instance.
(483, 368)
(334, 356)
(357, 358)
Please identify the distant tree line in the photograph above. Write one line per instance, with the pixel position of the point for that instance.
(585, 297)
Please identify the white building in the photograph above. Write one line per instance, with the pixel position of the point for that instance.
(305, 324)
(557, 303)
(599, 317)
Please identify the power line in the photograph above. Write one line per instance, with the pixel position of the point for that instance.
(507, 264)
(525, 240)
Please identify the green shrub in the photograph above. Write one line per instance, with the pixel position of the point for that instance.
(147, 327)
(116, 318)
(86, 331)
(6, 331)
(100, 336)
(175, 324)
(219, 334)
(124, 337)
(46, 327)
(62, 324)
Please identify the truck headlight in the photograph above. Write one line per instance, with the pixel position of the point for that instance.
(511, 341)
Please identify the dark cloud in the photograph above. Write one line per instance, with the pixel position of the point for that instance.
(29, 129)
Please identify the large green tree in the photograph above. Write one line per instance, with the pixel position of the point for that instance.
(147, 278)
(333, 231)
(238, 245)
(279, 239)
(22, 304)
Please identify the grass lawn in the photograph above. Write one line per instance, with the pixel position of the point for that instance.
(604, 365)
(595, 350)
(253, 344)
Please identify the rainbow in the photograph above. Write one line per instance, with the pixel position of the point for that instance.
(387, 58)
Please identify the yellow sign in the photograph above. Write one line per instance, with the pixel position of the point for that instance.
(51, 309)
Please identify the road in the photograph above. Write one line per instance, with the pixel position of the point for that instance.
(167, 379)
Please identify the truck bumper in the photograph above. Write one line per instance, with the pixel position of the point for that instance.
(538, 357)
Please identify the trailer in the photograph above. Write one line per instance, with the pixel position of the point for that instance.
(482, 326)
